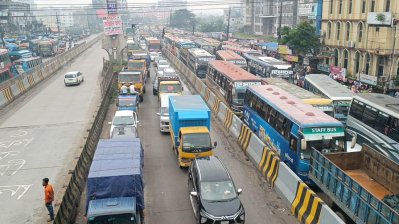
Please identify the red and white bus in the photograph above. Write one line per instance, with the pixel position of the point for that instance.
(231, 56)
(5, 66)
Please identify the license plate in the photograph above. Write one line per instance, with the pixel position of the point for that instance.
(71, 79)
(224, 222)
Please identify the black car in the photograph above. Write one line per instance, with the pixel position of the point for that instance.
(212, 193)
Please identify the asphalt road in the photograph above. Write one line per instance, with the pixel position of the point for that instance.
(166, 192)
(40, 135)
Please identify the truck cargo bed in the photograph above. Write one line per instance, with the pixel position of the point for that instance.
(368, 183)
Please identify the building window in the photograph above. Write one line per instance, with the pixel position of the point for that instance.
(377, 29)
(346, 59)
(364, 6)
(329, 30)
(331, 6)
(360, 32)
(338, 30)
(381, 63)
(368, 61)
(350, 6)
(387, 5)
(357, 62)
(348, 31)
(336, 57)
(372, 7)
(340, 6)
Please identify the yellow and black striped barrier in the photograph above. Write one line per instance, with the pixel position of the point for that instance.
(244, 137)
(31, 80)
(216, 106)
(21, 85)
(228, 120)
(207, 94)
(269, 165)
(306, 205)
(8, 94)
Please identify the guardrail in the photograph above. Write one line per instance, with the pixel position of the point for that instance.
(67, 210)
(304, 203)
(15, 87)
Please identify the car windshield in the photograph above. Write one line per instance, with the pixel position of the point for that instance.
(218, 190)
(68, 76)
(163, 62)
(123, 120)
(113, 219)
(336, 144)
(164, 111)
(198, 142)
(170, 88)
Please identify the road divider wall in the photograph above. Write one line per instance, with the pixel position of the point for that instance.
(15, 87)
(302, 201)
(67, 211)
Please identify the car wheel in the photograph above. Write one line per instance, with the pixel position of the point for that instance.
(66, 84)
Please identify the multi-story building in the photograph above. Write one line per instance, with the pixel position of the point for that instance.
(236, 19)
(15, 17)
(359, 40)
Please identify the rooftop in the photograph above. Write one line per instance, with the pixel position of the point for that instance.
(234, 72)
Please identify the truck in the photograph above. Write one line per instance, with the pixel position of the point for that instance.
(168, 84)
(153, 44)
(355, 183)
(164, 112)
(115, 184)
(133, 77)
(128, 102)
(190, 124)
(47, 48)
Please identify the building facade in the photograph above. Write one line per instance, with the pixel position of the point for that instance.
(359, 40)
(236, 19)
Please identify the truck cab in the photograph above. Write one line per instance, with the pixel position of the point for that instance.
(132, 77)
(113, 210)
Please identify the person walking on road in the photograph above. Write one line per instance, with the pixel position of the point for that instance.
(48, 198)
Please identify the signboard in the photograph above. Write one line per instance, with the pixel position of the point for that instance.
(291, 58)
(245, 84)
(305, 9)
(112, 25)
(368, 79)
(3, 21)
(284, 49)
(379, 18)
(111, 7)
(4, 12)
(323, 130)
(337, 73)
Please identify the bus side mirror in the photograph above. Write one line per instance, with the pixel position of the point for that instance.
(182, 88)
(353, 142)
(303, 144)
(215, 144)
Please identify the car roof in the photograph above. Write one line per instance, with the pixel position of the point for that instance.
(211, 169)
(72, 73)
(124, 132)
(123, 113)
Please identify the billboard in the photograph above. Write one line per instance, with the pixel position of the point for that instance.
(112, 25)
(379, 18)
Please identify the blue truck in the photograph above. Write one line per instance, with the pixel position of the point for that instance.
(115, 185)
(356, 184)
(190, 125)
(128, 102)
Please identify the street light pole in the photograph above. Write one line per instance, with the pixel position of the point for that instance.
(228, 25)
(280, 19)
(394, 22)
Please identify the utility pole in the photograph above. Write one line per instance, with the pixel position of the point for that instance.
(280, 19)
(58, 22)
(193, 26)
(228, 25)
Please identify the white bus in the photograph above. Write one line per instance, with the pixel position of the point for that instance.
(325, 86)
(198, 61)
(374, 118)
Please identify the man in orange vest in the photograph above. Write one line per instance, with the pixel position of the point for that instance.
(48, 198)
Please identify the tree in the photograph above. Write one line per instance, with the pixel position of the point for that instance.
(211, 24)
(302, 39)
(182, 18)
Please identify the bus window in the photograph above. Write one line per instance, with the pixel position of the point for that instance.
(369, 115)
(293, 143)
(357, 109)
(381, 122)
(393, 131)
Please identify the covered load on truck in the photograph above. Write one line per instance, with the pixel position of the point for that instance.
(356, 183)
(190, 123)
(115, 185)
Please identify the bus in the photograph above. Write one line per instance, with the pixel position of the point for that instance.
(291, 127)
(198, 61)
(170, 43)
(16, 55)
(208, 44)
(268, 67)
(231, 56)
(241, 50)
(322, 103)
(182, 49)
(153, 44)
(5, 65)
(229, 83)
(325, 86)
(374, 119)
(24, 65)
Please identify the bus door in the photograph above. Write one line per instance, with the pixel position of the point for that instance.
(229, 96)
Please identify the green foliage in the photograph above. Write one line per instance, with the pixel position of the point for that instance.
(211, 24)
(182, 18)
(302, 39)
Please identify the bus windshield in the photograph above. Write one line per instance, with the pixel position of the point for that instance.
(113, 219)
(239, 97)
(133, 47)
(336, 144)
(197, 142)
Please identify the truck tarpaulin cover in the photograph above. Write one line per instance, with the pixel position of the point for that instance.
(116, 171)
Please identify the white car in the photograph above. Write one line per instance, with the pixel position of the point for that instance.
(73, 78)
(123, 118)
